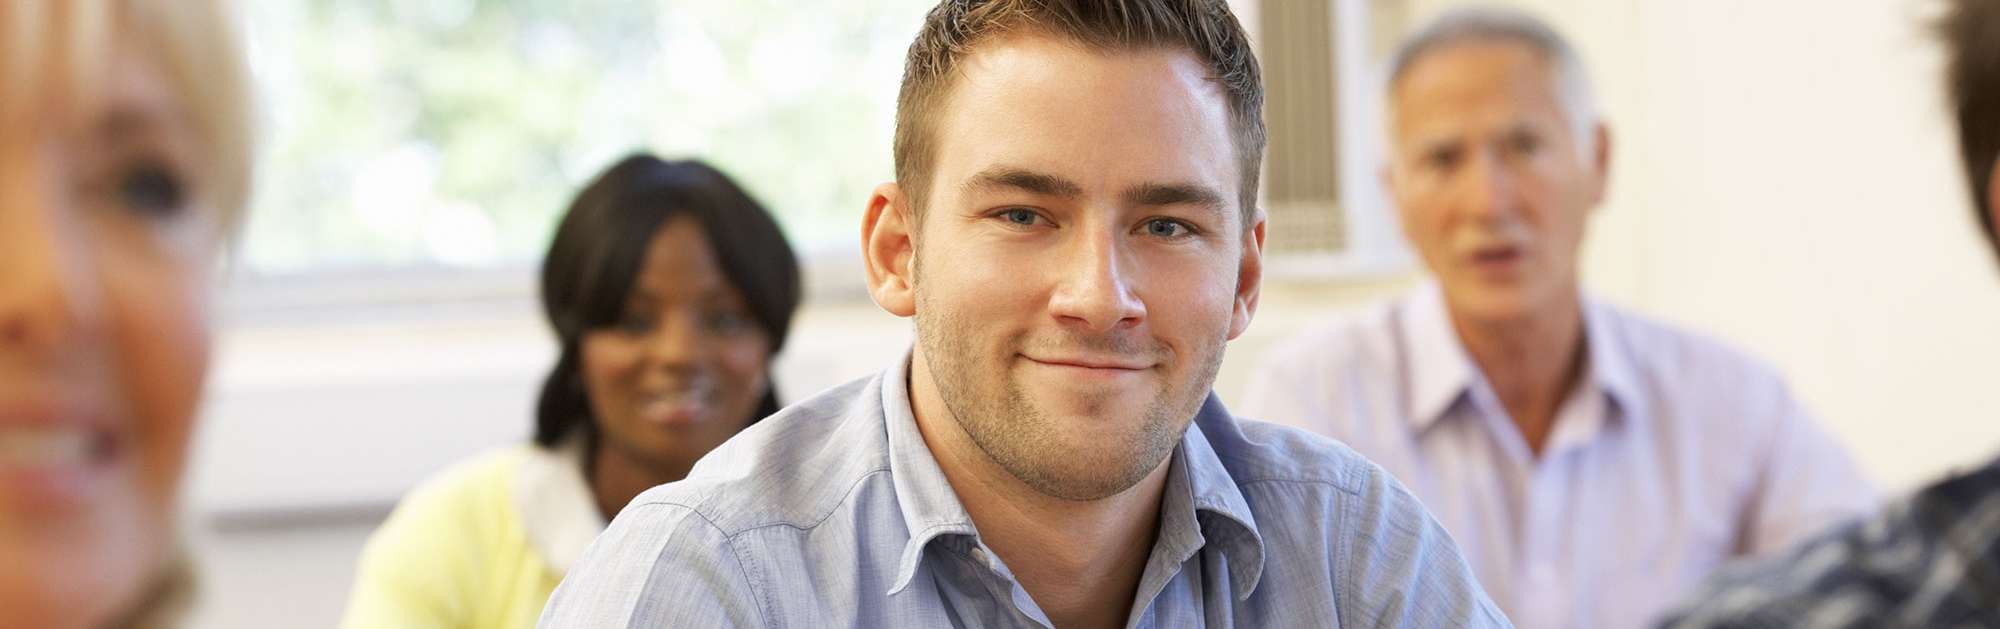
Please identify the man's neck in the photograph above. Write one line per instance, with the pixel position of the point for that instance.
(1531, 361)
(1079, 560)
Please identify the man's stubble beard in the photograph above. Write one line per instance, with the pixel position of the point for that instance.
(1002, 419)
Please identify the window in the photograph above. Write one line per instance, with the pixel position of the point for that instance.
(1329, 216)
(450, 134)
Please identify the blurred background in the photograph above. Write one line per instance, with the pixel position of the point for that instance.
(1782, 179)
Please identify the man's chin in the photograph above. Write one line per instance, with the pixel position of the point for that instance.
(1491, 301)
(1113, 428)
(1089, 471)
(1096, 413)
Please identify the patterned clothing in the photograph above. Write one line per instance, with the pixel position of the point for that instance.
(1930, 561)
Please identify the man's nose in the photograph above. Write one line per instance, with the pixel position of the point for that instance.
(1096, 291)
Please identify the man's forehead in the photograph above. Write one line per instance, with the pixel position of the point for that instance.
(1460, 63)
(1509, 82)
(1045, 104)
(996, 59)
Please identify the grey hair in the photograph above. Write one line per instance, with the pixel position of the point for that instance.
(1485, 24)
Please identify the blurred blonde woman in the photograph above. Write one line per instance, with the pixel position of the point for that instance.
(124, 163)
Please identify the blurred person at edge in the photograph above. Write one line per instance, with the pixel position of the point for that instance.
(1593, 464)
(124, 166)
(669, 290)
(1932, 559)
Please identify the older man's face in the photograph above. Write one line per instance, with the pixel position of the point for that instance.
(1491, 182)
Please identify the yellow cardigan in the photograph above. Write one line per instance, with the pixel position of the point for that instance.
(479, 546)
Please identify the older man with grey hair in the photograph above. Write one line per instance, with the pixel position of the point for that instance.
(1591, 463)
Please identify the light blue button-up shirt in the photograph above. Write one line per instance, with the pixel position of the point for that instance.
(833, 513)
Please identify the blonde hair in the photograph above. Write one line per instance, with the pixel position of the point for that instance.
(49, 49)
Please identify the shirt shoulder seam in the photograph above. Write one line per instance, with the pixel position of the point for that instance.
(1344, 550)
(1307, 481)
(757, 592)
(846, 497)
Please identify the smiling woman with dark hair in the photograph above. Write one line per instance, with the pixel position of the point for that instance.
(669, 290)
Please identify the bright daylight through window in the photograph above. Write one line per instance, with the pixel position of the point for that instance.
(451, 133)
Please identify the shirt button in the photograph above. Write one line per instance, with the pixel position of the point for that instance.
(979, 555)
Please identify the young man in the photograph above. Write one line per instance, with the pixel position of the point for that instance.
(1932, 560)
(1591, 463)
(1073, 228)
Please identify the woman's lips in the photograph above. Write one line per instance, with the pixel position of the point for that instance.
(673, 409)
(44, 446)
(51, 466)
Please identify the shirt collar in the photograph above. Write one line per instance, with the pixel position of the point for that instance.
(558, 513)
(1197, 484)
(930, 508)
(1203, 477)
(1610, 365)
(1440, 371)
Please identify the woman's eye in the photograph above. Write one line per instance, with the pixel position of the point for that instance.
(1020, 216)
(1167, 228)
(151, 189)
(635, 325)
(728, 322)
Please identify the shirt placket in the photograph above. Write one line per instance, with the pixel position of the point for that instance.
(1542, 598)
(984, 567)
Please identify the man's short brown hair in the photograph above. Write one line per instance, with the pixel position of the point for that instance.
(1203, 27)
(1971, 33)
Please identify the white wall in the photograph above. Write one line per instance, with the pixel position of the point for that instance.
(1784, 178)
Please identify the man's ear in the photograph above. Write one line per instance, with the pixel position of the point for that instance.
(1249, 277)
(1600, 162)
(1993, 200)
(888, 250)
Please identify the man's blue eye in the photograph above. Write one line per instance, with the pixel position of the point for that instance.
(1165, 228)
(1020, 217)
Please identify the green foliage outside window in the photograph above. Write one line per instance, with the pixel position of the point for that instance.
(451, 133)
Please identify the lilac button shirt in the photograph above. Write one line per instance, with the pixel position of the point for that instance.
(1674, 454)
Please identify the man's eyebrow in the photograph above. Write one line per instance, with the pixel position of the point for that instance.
(1029, 181)
(1159, 194)
(1433, 141)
